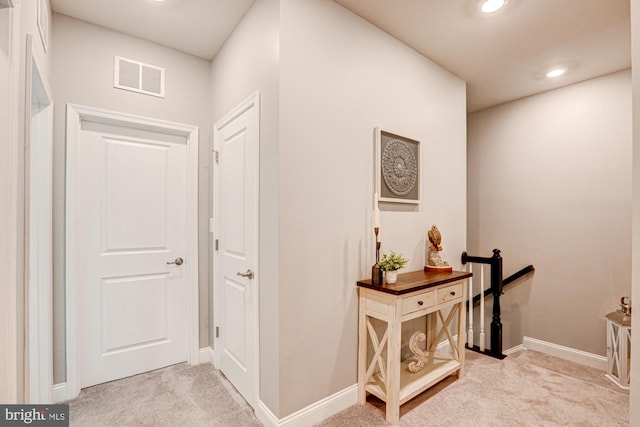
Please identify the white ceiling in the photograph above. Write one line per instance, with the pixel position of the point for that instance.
(198, 27)
(502, 57)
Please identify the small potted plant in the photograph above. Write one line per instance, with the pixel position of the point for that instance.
(390, 264)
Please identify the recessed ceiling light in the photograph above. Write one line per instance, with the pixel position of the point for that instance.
(557, 72)
(491, 6)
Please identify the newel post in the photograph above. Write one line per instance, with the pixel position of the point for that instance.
(496, 289)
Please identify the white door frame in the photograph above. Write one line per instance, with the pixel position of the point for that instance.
(252, 102)
(9, 170)
(76, 114)
(38, 277)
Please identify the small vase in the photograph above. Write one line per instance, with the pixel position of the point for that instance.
(391, 276)
(376, 275)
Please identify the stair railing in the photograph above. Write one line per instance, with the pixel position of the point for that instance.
(496, 290)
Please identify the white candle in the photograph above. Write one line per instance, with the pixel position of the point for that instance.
(376, 211)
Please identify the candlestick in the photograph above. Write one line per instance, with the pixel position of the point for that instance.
(376, 211)
(376, 271)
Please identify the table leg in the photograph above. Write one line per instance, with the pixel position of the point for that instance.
(362, 349)
(393, 364)
(462, 332)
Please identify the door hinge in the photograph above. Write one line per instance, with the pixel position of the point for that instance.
(217, 332)
(216, 155)
(216, 244)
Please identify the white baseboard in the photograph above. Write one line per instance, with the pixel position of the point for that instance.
(206, 355)
(312, 414)
(444, 347)
(265, 416)
(567, 353)
(59, 393)
(514, 350)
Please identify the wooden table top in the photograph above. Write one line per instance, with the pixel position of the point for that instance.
(415, 281)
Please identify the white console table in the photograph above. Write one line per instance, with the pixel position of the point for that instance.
(415, 294)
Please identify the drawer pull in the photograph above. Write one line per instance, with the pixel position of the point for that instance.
(453, 294)
(420, 302)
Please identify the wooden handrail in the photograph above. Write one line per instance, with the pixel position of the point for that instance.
(506, 282)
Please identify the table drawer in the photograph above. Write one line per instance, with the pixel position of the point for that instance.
(418, 302)
(449, 293)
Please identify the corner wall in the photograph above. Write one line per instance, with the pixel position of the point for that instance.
(549, 183)
(634, 418)
(249, 61)
(340, 78)
(83, 74)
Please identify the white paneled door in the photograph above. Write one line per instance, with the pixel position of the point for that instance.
(131, 228)
(236, 217)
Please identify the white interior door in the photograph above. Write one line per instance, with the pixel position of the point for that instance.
(236, 201)
(131, 227)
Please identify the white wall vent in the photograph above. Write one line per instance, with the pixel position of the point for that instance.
(139, 77)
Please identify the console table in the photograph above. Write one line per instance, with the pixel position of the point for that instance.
(419, 293)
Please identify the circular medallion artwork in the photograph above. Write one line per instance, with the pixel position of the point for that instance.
(399, 167)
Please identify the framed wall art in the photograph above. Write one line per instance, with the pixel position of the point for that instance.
(397, 168)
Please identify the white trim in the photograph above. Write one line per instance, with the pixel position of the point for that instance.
(252, 101)
(514, 350)
(206, 355)
(265, 416)
(9, 258)
(38, 220)
(312, 414)
(76, 113)
(445, 346)
(43, 23)
(566, 353)
(59, 393)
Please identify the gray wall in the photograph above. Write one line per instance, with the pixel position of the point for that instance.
(249, 62)
(549, 183)
(83, 74)
(339, 78)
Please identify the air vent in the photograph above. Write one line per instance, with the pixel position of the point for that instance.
(138, 77)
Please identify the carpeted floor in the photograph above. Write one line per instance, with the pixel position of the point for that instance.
(529, 389)
(179, 395)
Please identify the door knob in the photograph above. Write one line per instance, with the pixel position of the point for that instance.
(178, 261)
(248, 274)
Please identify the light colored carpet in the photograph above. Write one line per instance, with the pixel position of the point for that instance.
(527, 389)
(179, 395)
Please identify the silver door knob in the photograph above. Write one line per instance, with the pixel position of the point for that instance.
(248, 274)
(178, 261)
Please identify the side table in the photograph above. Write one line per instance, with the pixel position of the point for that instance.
(414, 295)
